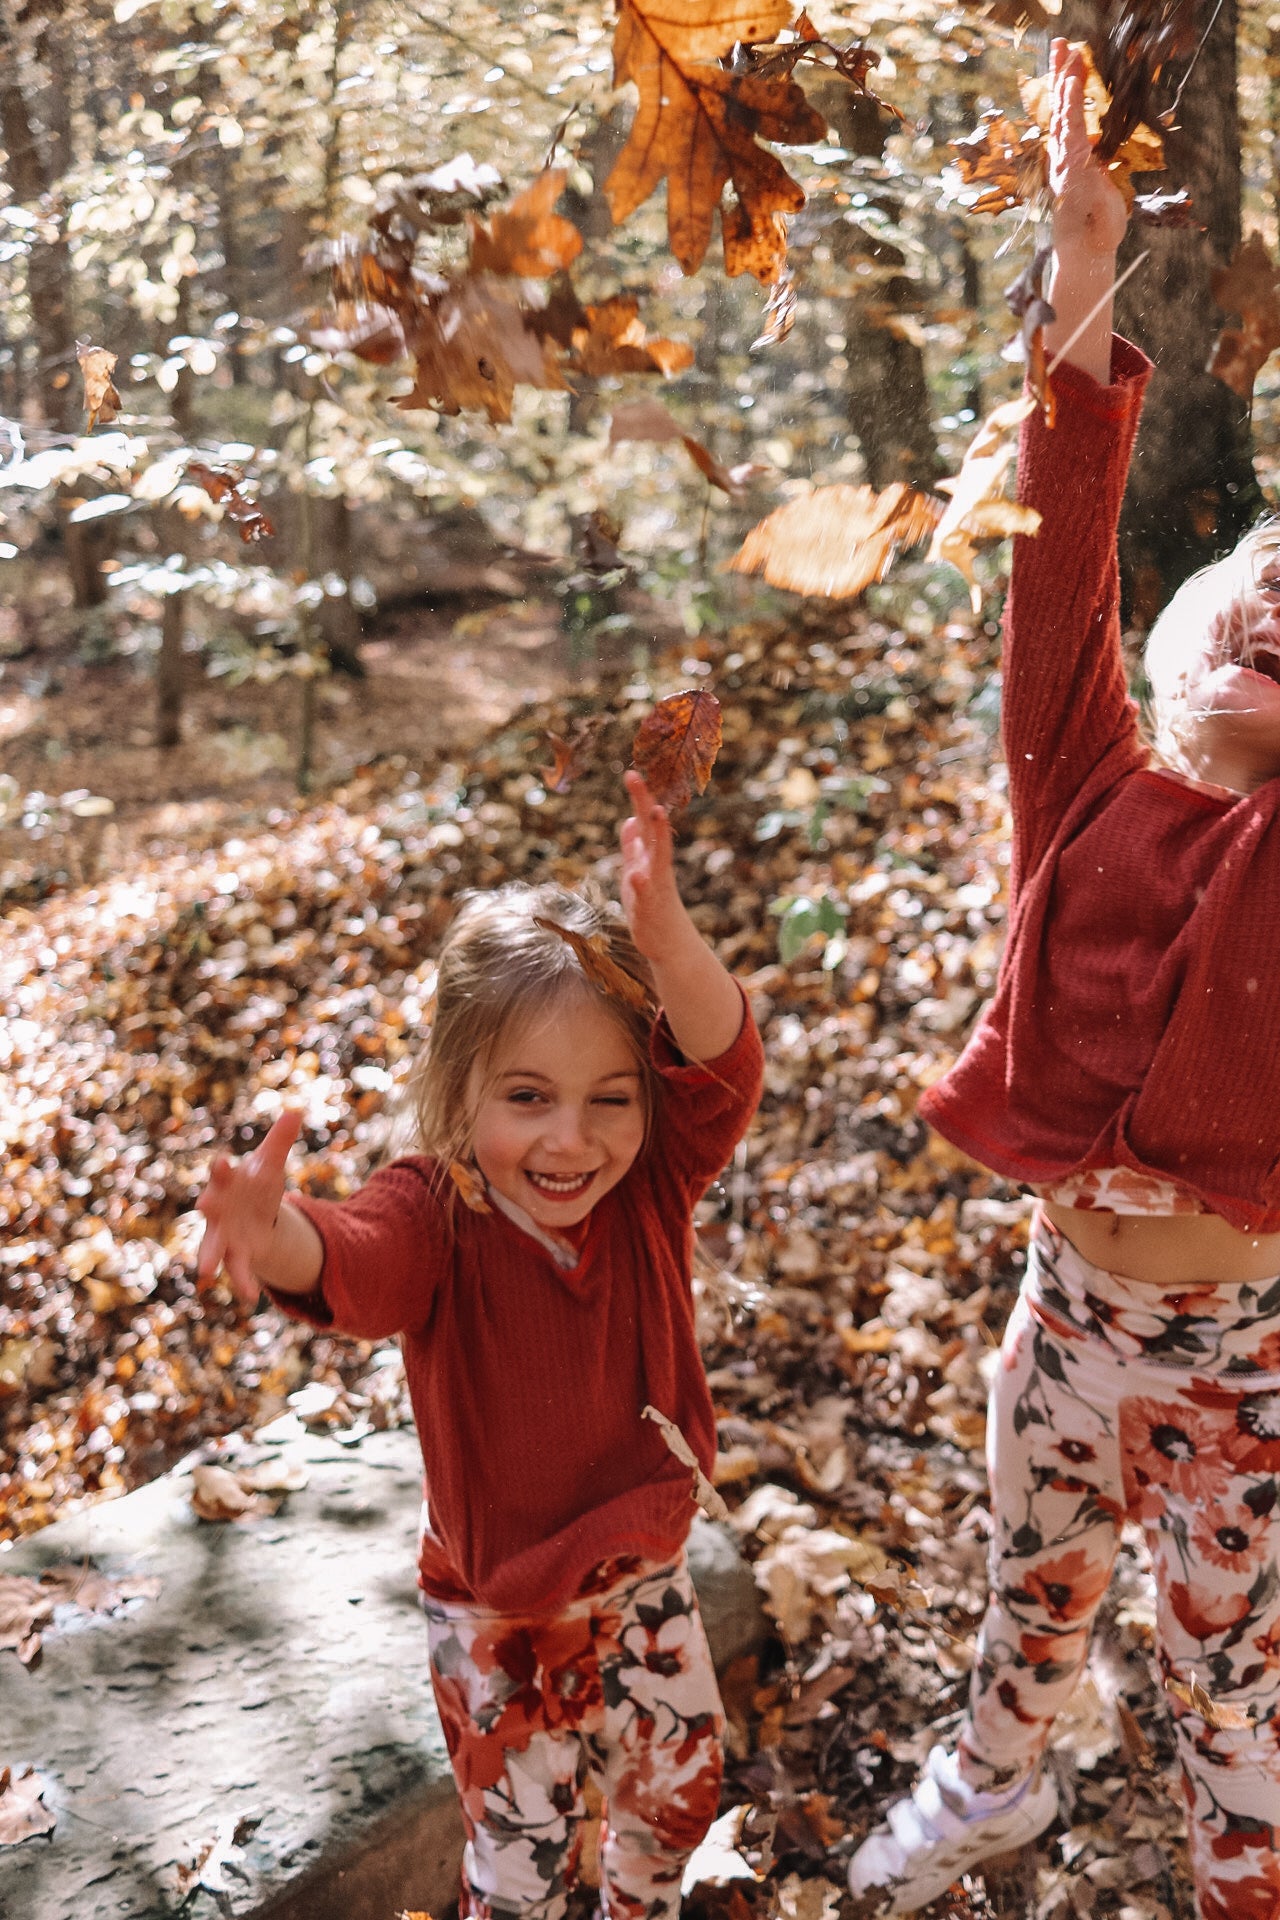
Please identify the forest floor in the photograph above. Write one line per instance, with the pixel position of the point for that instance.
(173, 971)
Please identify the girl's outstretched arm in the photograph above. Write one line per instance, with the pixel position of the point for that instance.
(1089, 219)
(702, 1001)
(248, 1231)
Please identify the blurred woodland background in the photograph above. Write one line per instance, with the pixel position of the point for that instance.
(285, 664)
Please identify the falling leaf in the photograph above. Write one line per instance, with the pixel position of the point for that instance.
(607, 337)
(1132, 43)
(1026, 301)
(223, 485)
(22, 1817)
(716, 1861)
(779, 312)
(1214, 1714)
(703, 1491)
(600, 966)
(526, 238)
(1004, 159)
(1247, 286)
(470, 1185)
(100, 396)
(650, 420)
(699, 127)
(472, 348)
(572, 753)
(978, 509)
(836, 540)
(676, 745)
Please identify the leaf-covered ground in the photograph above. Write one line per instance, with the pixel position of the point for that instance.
(860, 1271)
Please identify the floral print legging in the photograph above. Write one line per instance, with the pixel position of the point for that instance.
(1116, 1400)
(620, 1685)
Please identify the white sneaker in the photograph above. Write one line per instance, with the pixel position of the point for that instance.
(941, 1831)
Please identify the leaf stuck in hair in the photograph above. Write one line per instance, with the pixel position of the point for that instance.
(470, 1185)
(599, 965)
(676, 745)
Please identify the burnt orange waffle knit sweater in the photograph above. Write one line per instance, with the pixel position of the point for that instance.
(527, 1380)
(1136, 1020)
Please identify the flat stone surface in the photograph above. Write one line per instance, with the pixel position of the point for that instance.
(280, 1676)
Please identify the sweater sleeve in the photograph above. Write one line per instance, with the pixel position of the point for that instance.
(1065, 704)
(385, 1250)
(706, 1105)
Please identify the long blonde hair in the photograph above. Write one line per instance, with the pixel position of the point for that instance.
(498, 970)
(1177, 638)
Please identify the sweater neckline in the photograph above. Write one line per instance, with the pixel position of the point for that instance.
(569, 1262)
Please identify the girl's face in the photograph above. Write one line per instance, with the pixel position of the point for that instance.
(561, 1117)
(1232, 692)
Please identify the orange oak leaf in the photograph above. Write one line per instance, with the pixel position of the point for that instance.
(526, 238)
(1247, 286)
(836, 541)
(698, 127)
(676, 745)
(650, 420)
(222, 484)
(600, 966)
(472, 347)
(100, 396)
(977, 509)
(608, 336)
(470, 1185)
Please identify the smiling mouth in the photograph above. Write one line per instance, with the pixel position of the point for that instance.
(560, 1186)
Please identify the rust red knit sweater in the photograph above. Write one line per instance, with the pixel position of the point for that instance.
(527, 1380)
(1136, 1020)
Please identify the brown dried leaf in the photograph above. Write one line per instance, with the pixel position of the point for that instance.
(25, 1610)
(572, 754)
(1247, 286)
(650, 420)
(217, 1494)
(473, 346)
(698, 127)
(608, 337)
(703, 1491)
(837, 540)
(470, 1185)
(83, 1586)
(526, 238)
(779, 312)
(600, 966)
(1004, 158)
(22, 1817)
(222, 484)
(100, 396)
(676, 745)
(977, 509)
(1214, 1714)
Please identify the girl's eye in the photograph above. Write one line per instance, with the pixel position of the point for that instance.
(614, 1100)
(524, 1096)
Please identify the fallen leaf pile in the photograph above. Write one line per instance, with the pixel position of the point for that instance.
(858, 1270)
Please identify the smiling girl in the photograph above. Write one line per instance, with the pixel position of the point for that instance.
(543, 1296)
(1128, 1071)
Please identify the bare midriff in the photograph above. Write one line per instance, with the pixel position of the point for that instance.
(1167, 1250)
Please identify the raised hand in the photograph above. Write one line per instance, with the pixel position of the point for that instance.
(650, 898)
(241, 1206)
(1089, 211)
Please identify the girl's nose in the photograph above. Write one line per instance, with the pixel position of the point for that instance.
(566, 1129)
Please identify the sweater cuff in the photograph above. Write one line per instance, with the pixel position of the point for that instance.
(673, 1065)
(311, 1307)
(1080, 392)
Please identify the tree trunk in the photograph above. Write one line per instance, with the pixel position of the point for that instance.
(171, 670)
(1192, 489)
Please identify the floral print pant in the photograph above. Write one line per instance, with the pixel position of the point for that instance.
(619, 1685)
(1116, 1400)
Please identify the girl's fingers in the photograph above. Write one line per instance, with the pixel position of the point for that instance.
(271, 1155)
(240, 1274)
(211, 1250)
(215, 1192)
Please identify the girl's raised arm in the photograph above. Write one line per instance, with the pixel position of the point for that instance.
(702, 1002)
(1089, 218)
(249, 1231)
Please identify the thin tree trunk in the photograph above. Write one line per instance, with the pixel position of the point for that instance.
(171, 670)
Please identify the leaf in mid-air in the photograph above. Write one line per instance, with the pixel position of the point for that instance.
(223, 485)
(699, 127)
(978, 509)
(100, 396)
(650, 420)
(527, 238)
(1247, 286)
(837, 540)
(676, 745)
